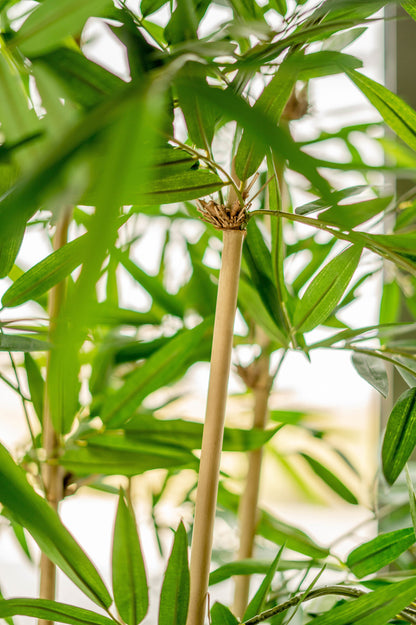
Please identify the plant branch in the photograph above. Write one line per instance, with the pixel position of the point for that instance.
(408, 614)
(206, 497)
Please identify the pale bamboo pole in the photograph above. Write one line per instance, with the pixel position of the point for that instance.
(248, 512)
(206, 498)
(52, 472)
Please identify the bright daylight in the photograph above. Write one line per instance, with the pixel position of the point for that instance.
(207, 312)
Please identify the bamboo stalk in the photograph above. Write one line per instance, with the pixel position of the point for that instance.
(248, 513)
(52, 473)
(206, 497)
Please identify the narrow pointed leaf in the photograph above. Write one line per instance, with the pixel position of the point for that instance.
(221, 615)
(396, 112)
(42, 522)
(373, 370)
(379, 552)
(374, 608)
(36, 385)
(353, 215)
(51, 610)
(174, 597)
(326, 290)
(330, 479)
(256, 604)
(400, 437)
(160, 369)
(45, 274)
(52, 21)
(18, 343)
(129, 576)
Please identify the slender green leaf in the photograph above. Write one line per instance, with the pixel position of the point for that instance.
(331, 200)
(330, 479)
(18, 343)
(51, 610)
(410, 7)
(129, 576)
(46, 274)
(257, 603)
(36, 385)
(19, 533)
(373, 370)
(326, 290)
(112, 453)
(400, 437)
(396, 113)
(43, 523)
(221, 615)
(352, 215)
(50, 22)
(374, 608)
(174, 596)
(373, 555)
(412, 497)
(150, 6)
(160, 369)
(7, 619)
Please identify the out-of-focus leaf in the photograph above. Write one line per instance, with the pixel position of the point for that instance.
(112, 453)
(221, 615)
(43, 523)
(271, 103)
(84, 81)
(256, 604)
(279, 5)
(410, 7)
(352, 215)
(153, 286)
(330, 201)
(19, 533)
(129, 575)
(46, 274)
(325, 63)
(396, 113)
(275, 530)
(50, 22)
(189, 433)
(18, 343)
(249, 302)
(330, 479)
(326, 290)
(400, 437)
(373, 370)
(174, 596)
(148, 7)
(372, 556)
(51, 610)
(199, 116)
(160, 369)
(375, 608)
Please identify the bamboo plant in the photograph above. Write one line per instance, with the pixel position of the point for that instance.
(74, 134)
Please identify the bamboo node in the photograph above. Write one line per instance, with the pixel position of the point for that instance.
(223, 216)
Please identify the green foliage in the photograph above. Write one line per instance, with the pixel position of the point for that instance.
(174, 596)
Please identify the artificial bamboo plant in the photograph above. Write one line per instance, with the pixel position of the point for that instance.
(183, 127)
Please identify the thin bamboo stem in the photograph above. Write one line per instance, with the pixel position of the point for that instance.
(206, 497)
(52, 472)
(248, 513)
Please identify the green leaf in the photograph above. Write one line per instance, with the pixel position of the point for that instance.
(174, 597)
(373, 370)
(396, 113)
(188, 185)
(51, 22)
(51, 610)
(352, 215)
(325, 63)
(410, 7)
(163, 367)
(112, 453)
(374, 608)
(129, 576)
(375, 554)
(400, 437)
(148, 7)
(199, 116)
(257, 603)
(18, 343)
(412, 498)
(153, 285)
(271, 103)
(330, 200)
(330, 479)
(326, 290)
(43, 523)
(19, 533)
(221, 615)
(45, 274)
